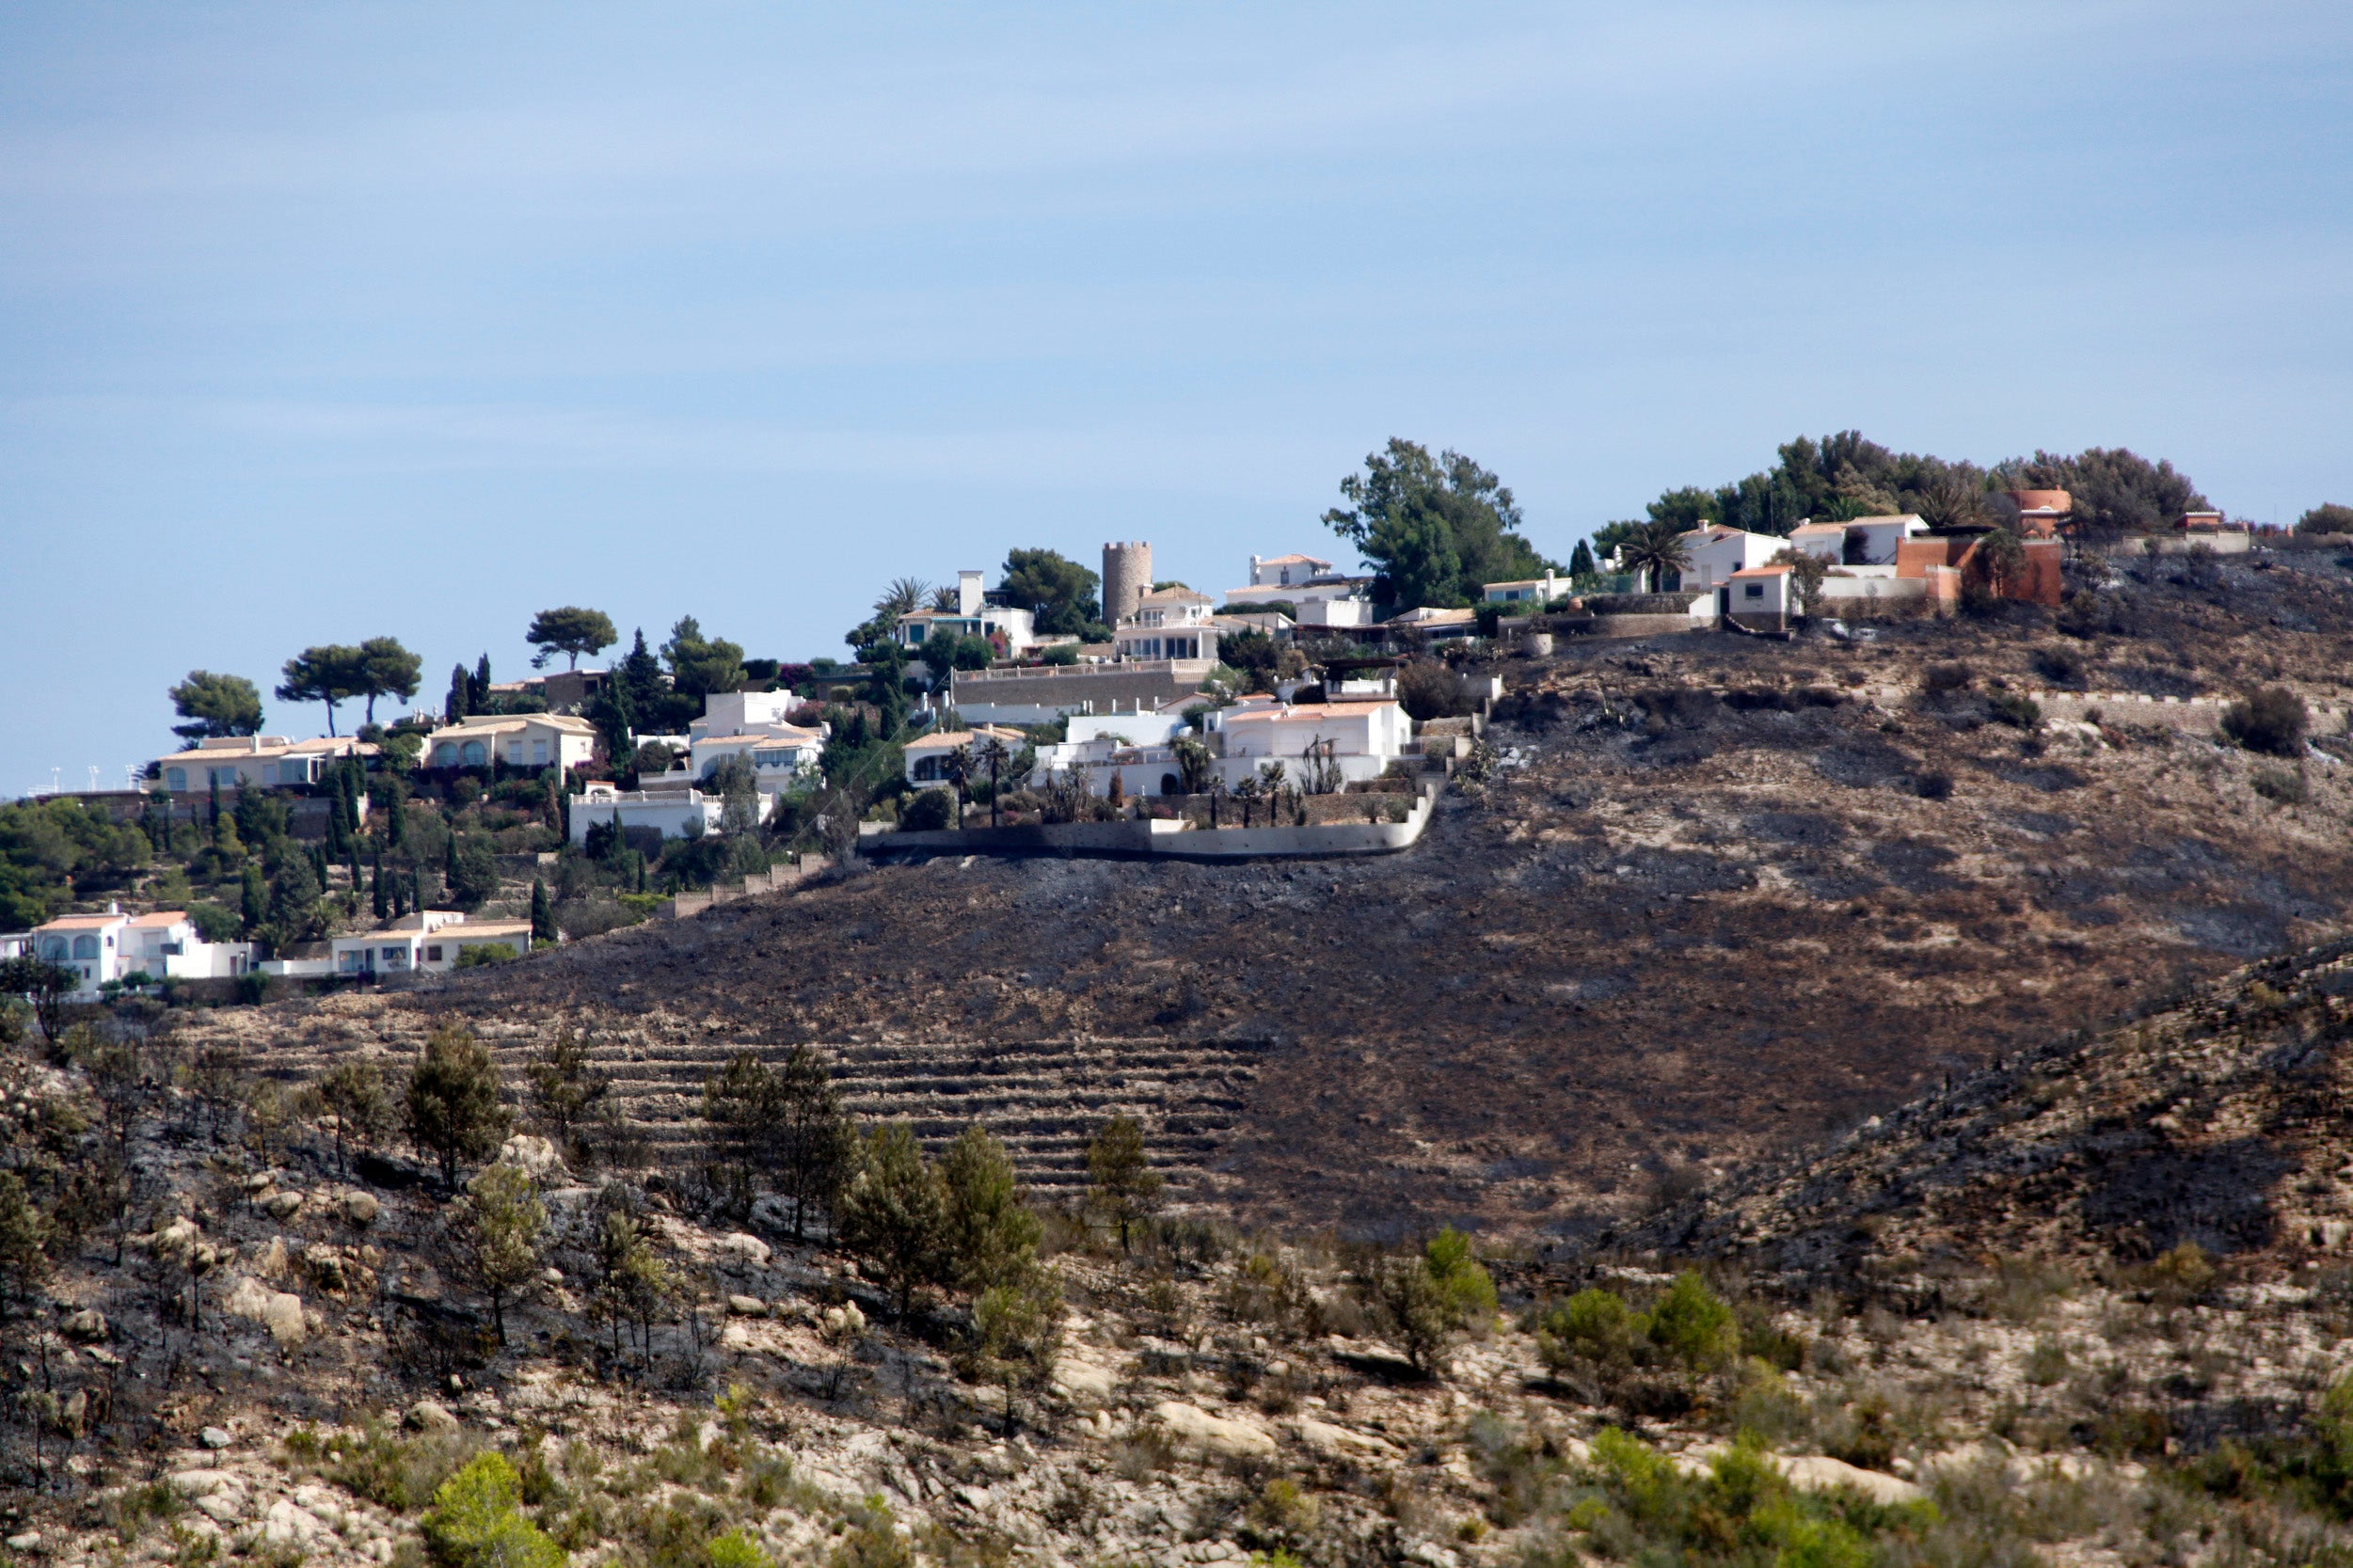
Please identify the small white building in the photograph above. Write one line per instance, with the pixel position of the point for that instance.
(1436, 623)
(557, 740)
(258, 761)
(426, 942)
(1759, 598)
(927, 758)
(1716, 552)
(1012, 627)
(1859, 541)
(164, 945)
(1535, 591)
(673, 809)
(752, 724)
(1168, 623)
(1285, 571)
(1352, 611)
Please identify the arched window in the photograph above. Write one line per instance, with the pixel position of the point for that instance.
(85, 947)
(445, 754)
(473, 754)
(53, 949)
(1171, 784)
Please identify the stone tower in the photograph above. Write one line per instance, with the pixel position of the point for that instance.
(1126, 579)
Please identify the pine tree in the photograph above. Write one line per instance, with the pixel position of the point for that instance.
(1122, 1187)
(452, 1101)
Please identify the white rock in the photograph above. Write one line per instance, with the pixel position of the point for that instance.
(1328, 1439)
(280, 1311)
(747, 1306)
(25, 1542)
(430, 1416)
(283, 1206)
(361, 1208)
(1820, 1473)
(743, 1248)
(203, 1482)
(1078, 1380)
(1191, 1424)
(530, 1154)
(214, 1437)
(287, 1522)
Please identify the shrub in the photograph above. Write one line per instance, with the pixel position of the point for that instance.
(927, 813)
(2327, 518)
(1594, 1325)
(2021, 712)
(1692, 1324)
(1934, 784)
(1942, 678)
(2063, 665)
(2277, 784)
(474, 955)
(475, 1522)
(2273, 721)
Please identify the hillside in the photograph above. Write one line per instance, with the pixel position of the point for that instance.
(1724, 897)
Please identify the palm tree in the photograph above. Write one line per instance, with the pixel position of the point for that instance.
(902, 597)
(956, 767)
(992, 751)
(1655, 549)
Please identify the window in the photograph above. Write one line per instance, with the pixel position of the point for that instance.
(176, 780)
(394, 957)
(1756, 590)
(294, 772)
(473, 754)
(53, 949)
(539, 752)
(85, 947)
(432, 954)
(350, 960)
(445, 754)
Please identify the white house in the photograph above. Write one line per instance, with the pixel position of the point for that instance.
(752, 724)
(426, 942)
(1354, 609)
(1540, 590)
(1716, 552)
(1435, 623)
(1858, 542)
(1285, 571)
(162, 945)
(556, 741)
(260, 761)
(1168, 623)
(1358, 739)
(1759, 598)
(927, 758)
(1013, 627)
(673, 810)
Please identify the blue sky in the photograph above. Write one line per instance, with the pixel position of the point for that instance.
(324, 322)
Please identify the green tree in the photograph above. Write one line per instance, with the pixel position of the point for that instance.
(815, 1140)
(215, 705)
(2273, 720)
(995, 755)
(1436, 529)
(1693, 1324)
(1122, 1188)
(1017, 1332)
(991, 1235)
(744, 1103)
(25, 1232)
(542, 913)
(475, 1521)
(452, 1105)
(570, 631)
(459, 702)
(328, 673)
(893, 1214)
(1806, 574)
(499, 1228)
(2325, 518)
(1654, 552)
(1580, 562)
(294, 903)
(353, 1092)
(471, 870)
(1424, 1301)
(1063, 597)
(700, 665)
(44, 984)
(385, 670)
(567, 1089)
(255, 898)
(2114, 491)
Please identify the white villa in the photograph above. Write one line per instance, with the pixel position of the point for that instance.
(1535, 590)
(1170, 623)
(1358, 733)
(426, 942)
(517, 740)
(752, 724)
(256, 761)
(673, 810)
(111, 946)
(1014, 626)
(1860, 542)
(1717, 552)
(928, 757)
(1305, 582)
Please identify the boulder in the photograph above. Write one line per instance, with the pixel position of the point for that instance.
(288, 1523)
(1082, 1380)
(428, 1416)
(532, 1155)
(87, 1325)
(1819, 1472)
(280, 1311)
(739, 1248)
(24, 1540)
(1234, 1439)
(361, 1208)
(1338, 1442)
(747, 1306)
(282, 1206)
(214, 1437)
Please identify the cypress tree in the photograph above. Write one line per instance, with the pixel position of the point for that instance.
(416, 888)
(212, 821)
(396, 813)
(256, 898)
(378, 896)
(454, 708)
(478, 690)
(543, 915)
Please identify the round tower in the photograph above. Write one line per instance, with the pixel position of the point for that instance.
(1126, 579)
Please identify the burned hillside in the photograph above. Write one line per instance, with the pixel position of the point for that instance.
(1722, 895)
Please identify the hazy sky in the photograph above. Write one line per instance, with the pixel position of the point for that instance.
(326, 322)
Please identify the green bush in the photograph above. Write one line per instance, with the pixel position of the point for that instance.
(473, 955)
(2273, 720)
(736, 1549)
(927, 813)
(475, 1522)
(1691, 1326)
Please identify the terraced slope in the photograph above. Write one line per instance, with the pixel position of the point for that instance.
(1045, 1098)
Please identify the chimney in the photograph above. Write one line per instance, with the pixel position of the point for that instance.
(968, 598)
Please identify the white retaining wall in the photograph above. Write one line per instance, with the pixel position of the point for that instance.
(1155, 837)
